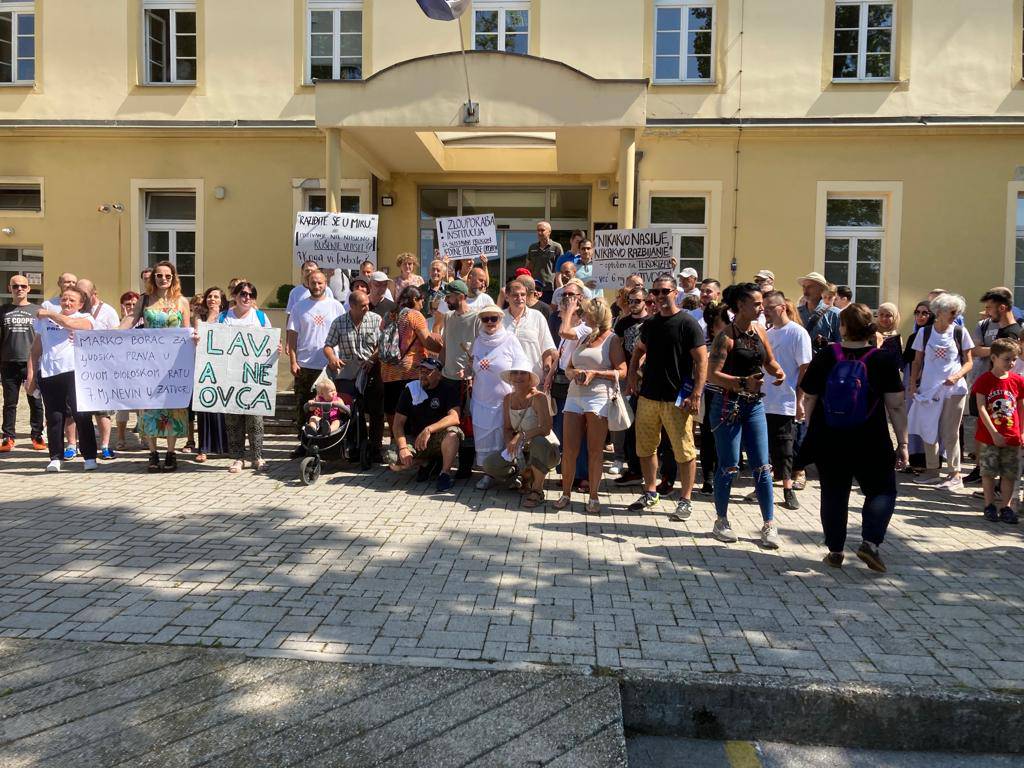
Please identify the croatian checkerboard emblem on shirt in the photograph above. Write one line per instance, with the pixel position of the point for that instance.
(319, 320)
(941, 353)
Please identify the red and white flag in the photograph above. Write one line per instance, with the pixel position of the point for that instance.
(444, 10)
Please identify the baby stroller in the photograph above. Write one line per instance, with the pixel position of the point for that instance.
(324, 445)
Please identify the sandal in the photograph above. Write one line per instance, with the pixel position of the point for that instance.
(200, 458)
(563, 501)
(533, 499)
(594, 507)
(236, 467)
(260, 466)
(189, 447)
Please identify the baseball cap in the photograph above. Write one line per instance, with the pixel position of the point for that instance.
(765, 274)
(431, 364)
(379, 277)
(457, 286)
(688, 272)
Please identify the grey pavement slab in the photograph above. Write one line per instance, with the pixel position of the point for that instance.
(191, 707)
(375, 568)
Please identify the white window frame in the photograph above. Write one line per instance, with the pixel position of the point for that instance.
(303, 188)
(502, 7)
(36, 181)
(712, 190)
(891, 193)
(172, 227)
(853, 236)
(1014, 232)
(684, 6)
(17, 9)
(175, 7)
(679, 231)
(138, 224)
(862, 43)
(335, 7)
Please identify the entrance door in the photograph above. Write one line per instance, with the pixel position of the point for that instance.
(512, 247)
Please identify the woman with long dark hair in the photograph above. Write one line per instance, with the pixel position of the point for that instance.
(213, 435)
(738, 355)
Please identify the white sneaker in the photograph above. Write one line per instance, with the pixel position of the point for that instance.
(484, 483)
(89, 465)
(952, 483)
(769, 536)
(53, 466)
(723, 531)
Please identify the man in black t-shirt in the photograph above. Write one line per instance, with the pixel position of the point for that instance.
(627, 328)
(428, 413)
(671, 345)
(16, 336)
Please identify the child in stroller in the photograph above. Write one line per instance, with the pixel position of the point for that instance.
(326, 411)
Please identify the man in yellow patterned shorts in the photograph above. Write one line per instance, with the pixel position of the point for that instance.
(675, 363)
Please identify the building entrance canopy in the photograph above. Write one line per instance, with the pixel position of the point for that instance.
(534, 116)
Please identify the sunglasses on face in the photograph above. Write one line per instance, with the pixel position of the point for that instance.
(489, 319)
(569, 295)
(244, 295)
(661, 291)
(19, 287)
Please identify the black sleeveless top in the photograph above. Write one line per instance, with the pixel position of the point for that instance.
(747, 356)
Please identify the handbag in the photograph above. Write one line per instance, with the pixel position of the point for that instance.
(620, 415)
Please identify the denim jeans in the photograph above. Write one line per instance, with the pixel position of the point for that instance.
(557, 425)
(751, 428)
(877, 480)
(12, 375)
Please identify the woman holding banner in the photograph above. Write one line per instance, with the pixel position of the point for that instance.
(244, 312)
(51, 366)
(213, 434)
(162, 306)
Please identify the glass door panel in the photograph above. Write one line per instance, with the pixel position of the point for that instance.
(512, 247)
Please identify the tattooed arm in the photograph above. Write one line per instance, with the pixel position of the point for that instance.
(720, 349)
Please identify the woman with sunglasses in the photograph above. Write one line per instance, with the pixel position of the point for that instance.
(569, 328)
(923, 318)
(494, 352)
(213, 435)
(162, 306)
(243, 312)
(738, 355)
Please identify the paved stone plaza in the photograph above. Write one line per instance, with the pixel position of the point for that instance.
(377, 569)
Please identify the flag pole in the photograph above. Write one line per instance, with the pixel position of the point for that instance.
(470, 113)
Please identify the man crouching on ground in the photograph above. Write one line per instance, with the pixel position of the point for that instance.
(429, 412)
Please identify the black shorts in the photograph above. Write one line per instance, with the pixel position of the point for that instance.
(393, 391)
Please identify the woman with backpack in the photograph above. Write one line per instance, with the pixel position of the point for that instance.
(938, 388)
(848, 392)
(735, 377)
(244, 312)
(404, 341)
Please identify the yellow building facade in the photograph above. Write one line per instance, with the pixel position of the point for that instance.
(881, 143)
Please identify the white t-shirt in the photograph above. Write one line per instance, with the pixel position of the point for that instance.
(483, 299)
(791, 346)
(311, 320)
(300, 292)
(941, 360)
(104, 317)
(534, 335)
(251, 318)
(58, 351)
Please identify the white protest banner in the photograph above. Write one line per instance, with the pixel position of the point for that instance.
(336, 239)
(143, 368)
(619, 253)
(466, 237)
(236, 369)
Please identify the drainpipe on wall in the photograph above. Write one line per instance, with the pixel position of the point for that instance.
(636, 185)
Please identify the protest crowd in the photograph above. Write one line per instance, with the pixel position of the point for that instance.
(451, 385)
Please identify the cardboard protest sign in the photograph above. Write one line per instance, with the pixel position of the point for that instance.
(236, 369)
(619, 253)
(465, 237)
(142, 368)
(336, 239)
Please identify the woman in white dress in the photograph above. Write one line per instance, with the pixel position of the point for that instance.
(494, 352)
